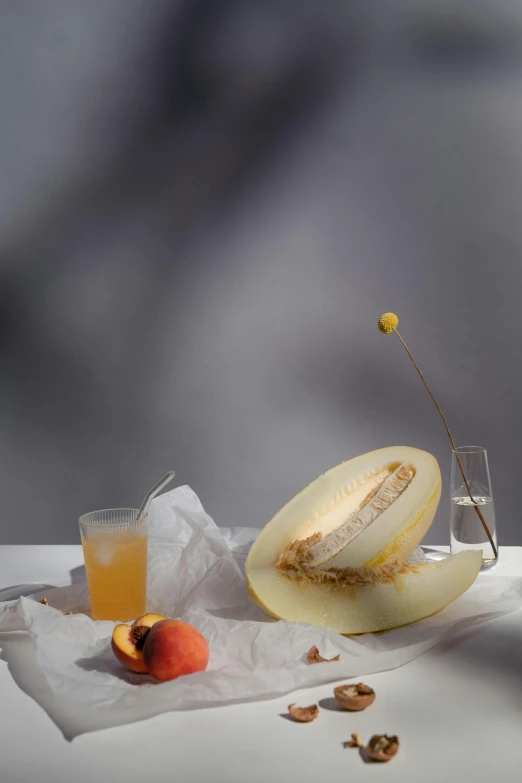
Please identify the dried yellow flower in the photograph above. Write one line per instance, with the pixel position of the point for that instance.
(388, 322)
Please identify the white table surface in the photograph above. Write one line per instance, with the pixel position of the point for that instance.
(457, 710)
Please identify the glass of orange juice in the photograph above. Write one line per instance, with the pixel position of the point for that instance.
(115, 551)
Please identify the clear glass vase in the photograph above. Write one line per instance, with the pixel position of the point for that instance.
(466, 526)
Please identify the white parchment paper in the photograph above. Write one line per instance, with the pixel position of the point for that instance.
(196, 574)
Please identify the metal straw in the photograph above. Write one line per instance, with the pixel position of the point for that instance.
(167, 478)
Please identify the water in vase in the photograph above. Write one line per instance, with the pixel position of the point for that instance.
(467, 531)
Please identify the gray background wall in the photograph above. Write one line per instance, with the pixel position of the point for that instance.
(204, 207)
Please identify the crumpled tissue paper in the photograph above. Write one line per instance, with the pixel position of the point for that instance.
(195, 573)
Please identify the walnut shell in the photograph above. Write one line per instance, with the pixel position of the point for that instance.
(381, 747)
(355, 742)
(313, 656)
(304, 714)
(354, 697)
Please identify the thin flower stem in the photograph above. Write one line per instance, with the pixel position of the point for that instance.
(457, 457)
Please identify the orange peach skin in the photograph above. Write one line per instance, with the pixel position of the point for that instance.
(174, 648)
(124, 647)
(149, 619)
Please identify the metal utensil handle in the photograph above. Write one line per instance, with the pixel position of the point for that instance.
(151, 494)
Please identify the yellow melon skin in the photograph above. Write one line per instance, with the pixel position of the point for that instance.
(411, 595)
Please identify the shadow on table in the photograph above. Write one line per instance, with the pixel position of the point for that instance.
(330, 703)
(433, 553)
(499, 653)
(78, 574)
(107, 664)
(15, 592)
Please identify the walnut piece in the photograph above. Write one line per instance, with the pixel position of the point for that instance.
(314, 657)
(354, 697)
(382, 747)
(43, 601)
(355, 742)
(304, 714)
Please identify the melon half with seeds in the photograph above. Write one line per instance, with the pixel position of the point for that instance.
(335, 555)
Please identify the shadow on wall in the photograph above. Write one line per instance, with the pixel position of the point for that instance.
(185, 296)
(232, 82)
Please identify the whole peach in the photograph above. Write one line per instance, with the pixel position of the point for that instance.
(173, 648)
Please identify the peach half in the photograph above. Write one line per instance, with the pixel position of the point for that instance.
(173, 648)
(128, 640)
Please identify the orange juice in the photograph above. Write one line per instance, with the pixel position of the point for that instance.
(116, 567)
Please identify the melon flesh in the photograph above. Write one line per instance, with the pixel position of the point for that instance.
(410, 595)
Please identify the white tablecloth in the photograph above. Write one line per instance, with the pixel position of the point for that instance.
(456, 709)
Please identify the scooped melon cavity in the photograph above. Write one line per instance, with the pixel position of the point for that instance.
(378, 500)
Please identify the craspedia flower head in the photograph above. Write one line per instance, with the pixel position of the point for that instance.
(388, 322)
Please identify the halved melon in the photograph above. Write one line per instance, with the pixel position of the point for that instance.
(335, 554)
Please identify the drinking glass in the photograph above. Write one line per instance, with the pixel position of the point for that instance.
(115, 551)
(466, 528)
